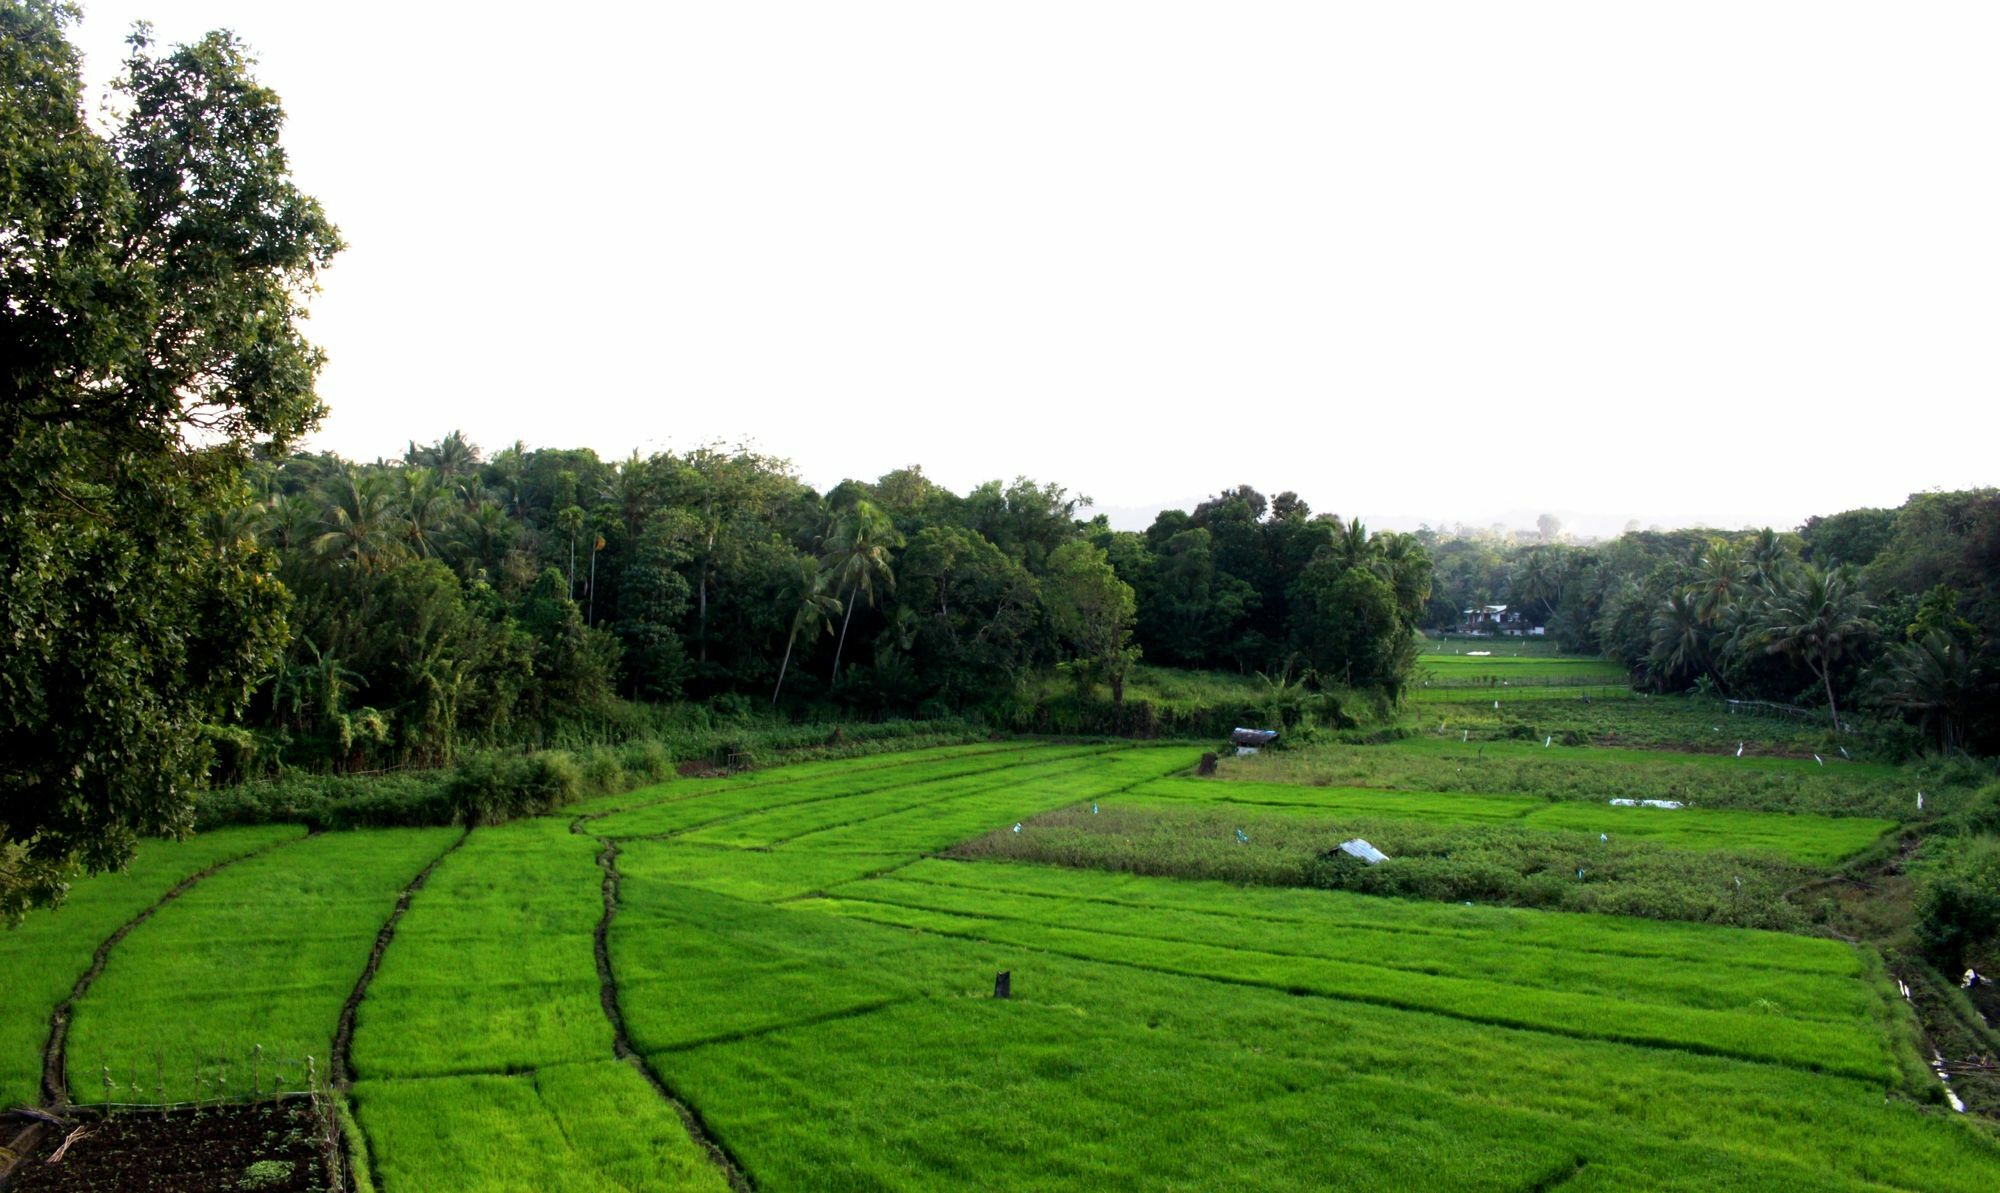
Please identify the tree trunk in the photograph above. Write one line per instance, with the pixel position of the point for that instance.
(1826, 675)
(1118, 689)
(781, 666)
(701, 618)
(842, 644)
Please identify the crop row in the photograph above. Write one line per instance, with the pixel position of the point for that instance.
(832, 1052)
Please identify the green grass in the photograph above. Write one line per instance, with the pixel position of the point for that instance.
(831, 1050)
(492, 969)
(262, 954)
(797, 969)
(43, 957)
(585, 1128)
(1594, 774)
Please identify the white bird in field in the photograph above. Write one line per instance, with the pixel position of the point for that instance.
(1548, 741)
(1242, 838)
(1920, 801)
(1496, 704)
(1818, 759)
(1604, 838)
(1465, 735)
(1017, 826)
(1093, 809)
(1845, 754)
(1739, 749)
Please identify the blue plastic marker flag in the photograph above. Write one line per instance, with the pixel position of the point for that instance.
(1242, 836)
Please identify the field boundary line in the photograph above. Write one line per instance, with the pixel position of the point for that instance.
(733, 817)
(754, 1033)
(341, 1067)
(1693, 1047)
(621, 1042)
(1293, 955)
(1342, 923)
(55, 1054)
(905, 758)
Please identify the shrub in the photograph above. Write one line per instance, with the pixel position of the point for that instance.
(1958, 897)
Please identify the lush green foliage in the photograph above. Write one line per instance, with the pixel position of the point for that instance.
(154, 278)
(1958, 899)
(1894, 611)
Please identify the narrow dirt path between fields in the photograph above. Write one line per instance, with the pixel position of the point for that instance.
(621, 1043)
(55, 1059)
(343, 1035)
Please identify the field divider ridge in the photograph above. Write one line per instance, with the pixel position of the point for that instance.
(341, 1062)
(55, 1059)
(621, 1041)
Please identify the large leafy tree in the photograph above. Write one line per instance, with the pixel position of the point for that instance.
(1093, 611)
(153, 282)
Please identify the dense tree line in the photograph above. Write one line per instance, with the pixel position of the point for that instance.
(1889, 611)
(452, 598)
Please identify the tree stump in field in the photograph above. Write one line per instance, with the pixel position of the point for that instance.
(1207, 765)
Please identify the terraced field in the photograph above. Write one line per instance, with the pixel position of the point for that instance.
(772, 981)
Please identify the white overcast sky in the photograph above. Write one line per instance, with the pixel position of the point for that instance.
(1726, 263)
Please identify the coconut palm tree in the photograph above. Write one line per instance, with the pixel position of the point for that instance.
(813, 610)
(1721, 577)
(570, 521)
(1935, 678)
(427, 512)
(1679, 638)
(858, 560)
(361, 521)
(1813, 616)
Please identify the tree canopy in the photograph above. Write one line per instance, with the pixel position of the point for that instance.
(155, 278)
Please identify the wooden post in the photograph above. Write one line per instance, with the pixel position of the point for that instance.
(1003, 984)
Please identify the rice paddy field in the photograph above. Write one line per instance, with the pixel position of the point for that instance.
(785, 979)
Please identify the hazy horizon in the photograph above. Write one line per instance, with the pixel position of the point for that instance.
(1438, 265)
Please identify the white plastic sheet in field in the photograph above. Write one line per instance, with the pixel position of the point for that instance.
(1363, 850)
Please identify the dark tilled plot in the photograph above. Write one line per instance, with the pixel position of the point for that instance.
(272, 1147)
